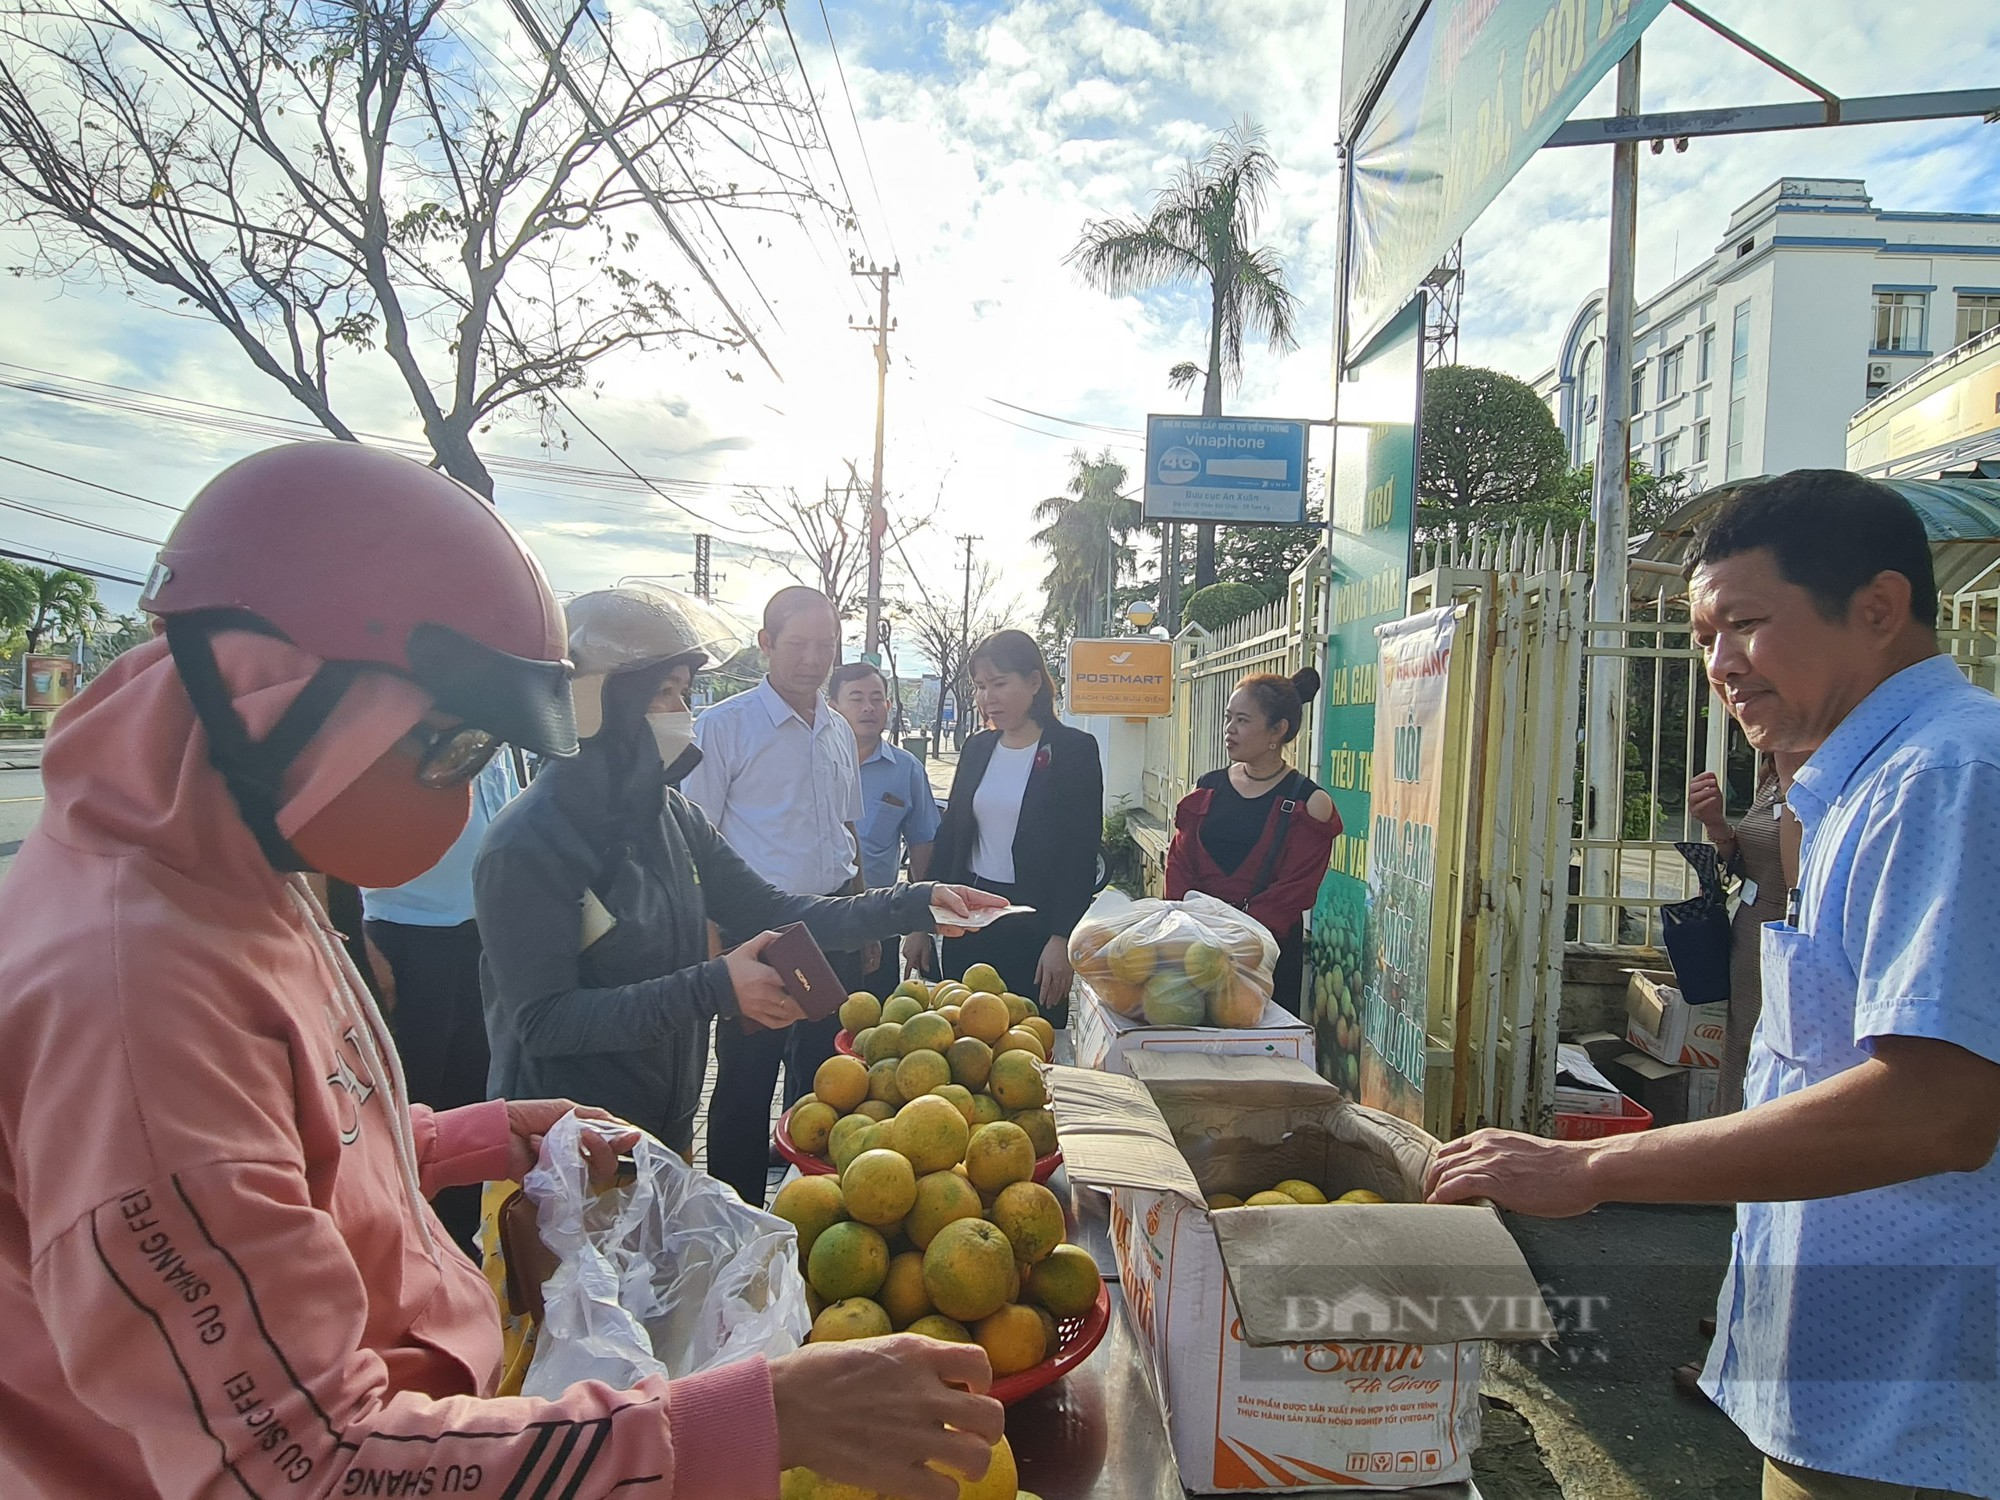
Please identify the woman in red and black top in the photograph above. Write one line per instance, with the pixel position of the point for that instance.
(1257, 833)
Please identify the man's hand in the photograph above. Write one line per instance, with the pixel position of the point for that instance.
(760, 993)
(1705, 807)
(962, 901)
(871, 956)
(1521, 1172)
(528, 1120)
(1053, 973)
(918, 955)
(830, 1399)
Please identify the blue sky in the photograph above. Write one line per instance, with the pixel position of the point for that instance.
(990, 134)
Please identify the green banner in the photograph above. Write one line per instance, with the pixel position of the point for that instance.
(1374, 515)
(1481, 85)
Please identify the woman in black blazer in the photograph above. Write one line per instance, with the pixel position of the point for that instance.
(1024, 820)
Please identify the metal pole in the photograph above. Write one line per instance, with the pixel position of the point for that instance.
(878, 520)
(1604, 740)
(964, 698)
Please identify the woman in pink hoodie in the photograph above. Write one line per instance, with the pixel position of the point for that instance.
(219, 1275)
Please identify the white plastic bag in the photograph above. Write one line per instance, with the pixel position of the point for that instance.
(1193, 962)
(667, 1275)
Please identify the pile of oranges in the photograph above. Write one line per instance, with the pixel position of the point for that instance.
(934, 1223)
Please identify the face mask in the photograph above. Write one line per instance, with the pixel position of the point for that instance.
(673, 733)
(384, 829)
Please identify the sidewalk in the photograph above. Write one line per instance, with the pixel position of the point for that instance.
(21, 755)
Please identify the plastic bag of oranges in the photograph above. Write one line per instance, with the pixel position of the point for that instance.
(1193, 962)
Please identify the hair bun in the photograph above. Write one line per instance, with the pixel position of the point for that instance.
(1306, 684)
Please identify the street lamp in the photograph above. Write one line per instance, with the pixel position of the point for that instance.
(1140, 614)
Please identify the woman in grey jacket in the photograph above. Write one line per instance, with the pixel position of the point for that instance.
(594, 889)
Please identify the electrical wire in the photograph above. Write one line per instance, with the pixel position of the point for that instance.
(820, 115)
(90, 483)
(51, 515)
(867, 165)
(75, 565)
(678, 505)
(1065, 421)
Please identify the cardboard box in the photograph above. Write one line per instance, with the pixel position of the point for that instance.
(1580, 1088)
(1674, 1095)
(1301, 1347)
(1659, 1022)
(1103, 1038)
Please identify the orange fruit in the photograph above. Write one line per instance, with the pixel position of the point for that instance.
(1051, 1334)
(858, 1012)
(879, 1187)
(1121, 995)
(967, 1269)
(1361, 1195)
(950, 1013)
(1205, 963)
(930, 1133)
(984, 1017)
(1020, 1039)
(841, 1081)
(938, 1326)
(1016, 1080)
(1066, 1282)
(1019, 1008)
(999, 1154)
(942, 1198)
(971, 1060)
(884, 1042)
(848, 1260)
(1224, 1200)
(1040, 1026)
(882, 1083)
(1299, 1188)
(920, 1072)
(1266, 1199)
(1041, 1128)
(1031, 1218)
(984, 979)
(1012, 1337)
(903, 1296)
(843, 1142)
(850, 1318)
(877, 1110)
(961, 1100)
(925, 1033)
(901, 1008)
(1130, 961)
(810, 1126)
(811, 1205)
(985, 1110)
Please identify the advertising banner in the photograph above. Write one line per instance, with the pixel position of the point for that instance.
(1374, 517)
(1481, 85)
(1370, 33)
(47, 682)
(1240, 470)
(1414, 672)
(1132, 678)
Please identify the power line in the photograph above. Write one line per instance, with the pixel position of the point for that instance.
(717, 525)
(1065, 421)
(859, 140)
(89, 483)
(51, 515)
(820, 115)
(88, 569)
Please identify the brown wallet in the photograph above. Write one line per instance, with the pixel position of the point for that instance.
(808, 978)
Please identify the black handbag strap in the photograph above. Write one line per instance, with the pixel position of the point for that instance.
(1288, 808)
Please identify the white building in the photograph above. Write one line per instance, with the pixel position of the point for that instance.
(1814, 303)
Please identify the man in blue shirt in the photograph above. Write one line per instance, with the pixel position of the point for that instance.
(423, 946)
(1858, 1333)
(898, 811)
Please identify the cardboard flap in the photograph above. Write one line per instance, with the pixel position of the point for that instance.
(1246, 1082)
(1402, 1272)
(1113, 1135)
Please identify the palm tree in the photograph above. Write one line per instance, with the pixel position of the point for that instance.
(1201, 227)
(61, 605)
(1084, 532)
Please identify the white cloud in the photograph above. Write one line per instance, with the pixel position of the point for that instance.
(993, 135)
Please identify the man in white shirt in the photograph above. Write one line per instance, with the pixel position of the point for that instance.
(779, 779)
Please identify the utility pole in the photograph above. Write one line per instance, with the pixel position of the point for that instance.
(878, 518)
(965, 640)
(704, 581)
(1604, 774)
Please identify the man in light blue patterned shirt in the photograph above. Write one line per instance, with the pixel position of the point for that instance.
(1858, 1340)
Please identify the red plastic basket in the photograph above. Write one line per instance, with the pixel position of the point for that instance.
(812, 1166)
(843, 1043)
(1075, 1338)
(1634, 1117)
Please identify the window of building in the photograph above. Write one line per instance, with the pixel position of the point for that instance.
(1589, 387)
(1638, 390)
(1701, 442)
(1669, 453)
(1704, 362)
(1899, 321)
(1701, 401)
(1977, 312)
(1671, 365)
(1739, 390)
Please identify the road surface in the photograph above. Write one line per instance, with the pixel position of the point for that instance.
(20, 798)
